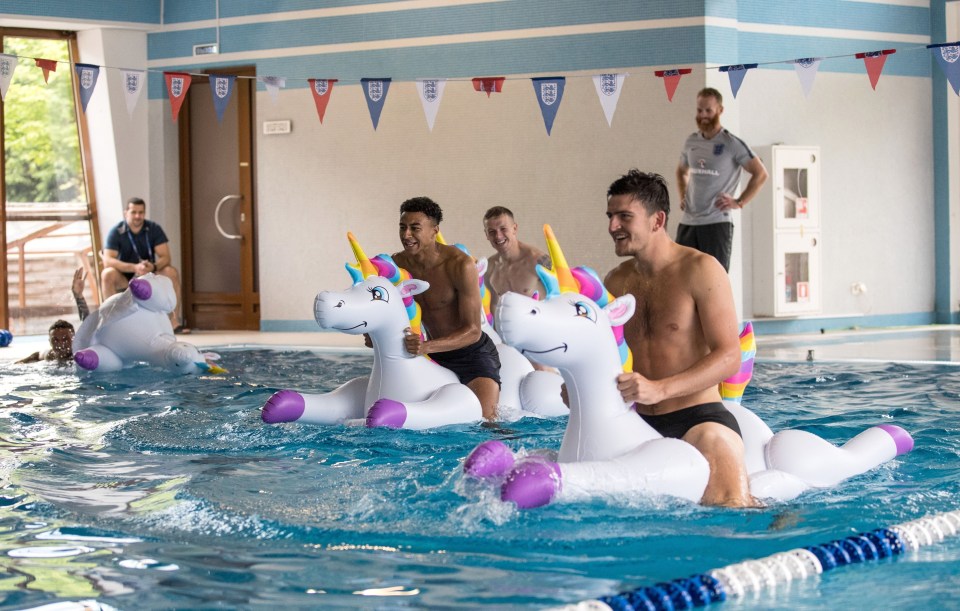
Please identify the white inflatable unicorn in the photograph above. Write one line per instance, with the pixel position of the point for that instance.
(402, 390)
(133, 327)
(607, 448)
(524, 391)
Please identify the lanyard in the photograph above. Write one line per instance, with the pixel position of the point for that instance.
(134, 244)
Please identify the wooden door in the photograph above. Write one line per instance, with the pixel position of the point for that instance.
(218, 209)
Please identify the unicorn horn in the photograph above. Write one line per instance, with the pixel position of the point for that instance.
(366, 267)
(568, 284)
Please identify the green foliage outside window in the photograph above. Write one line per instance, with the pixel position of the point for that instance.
(41, 143)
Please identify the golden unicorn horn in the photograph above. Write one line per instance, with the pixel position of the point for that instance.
(367, 268)
(568, 284)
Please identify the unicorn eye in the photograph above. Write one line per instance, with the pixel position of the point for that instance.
(585, 311)
(377, 293)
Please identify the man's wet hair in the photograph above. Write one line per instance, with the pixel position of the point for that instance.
(425, 205)
(647, 188)
(496, 211)
(60, 324)
(710, 92)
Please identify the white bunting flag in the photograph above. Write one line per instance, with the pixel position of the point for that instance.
(608, 89)
(431, 90)
(132, 87)
(807, 71)
(8, 63)
(273, 84)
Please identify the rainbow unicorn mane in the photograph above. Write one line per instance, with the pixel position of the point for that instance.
(561, 278)
(383, 266)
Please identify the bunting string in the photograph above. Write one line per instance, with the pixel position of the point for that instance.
(548, 89)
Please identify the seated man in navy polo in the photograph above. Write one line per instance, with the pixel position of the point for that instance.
(135, 247)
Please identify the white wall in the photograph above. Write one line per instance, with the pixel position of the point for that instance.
(877, 182)
(119, 142)
(321, 181)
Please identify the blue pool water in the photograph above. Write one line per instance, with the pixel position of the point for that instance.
(146, 491)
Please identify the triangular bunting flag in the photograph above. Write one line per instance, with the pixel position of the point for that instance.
(132, 86)
(806, 71)
(321, 88)
(87, 77)
(874, 61)
(947, 56)
(48, 66)
(273, 84)
(8, 63)
(375, 91)
(221, 87)
(489, 84)
(671, 78)
(736, 74)
(608, 90)
(430, 90)
(549, 90)
(177, 85)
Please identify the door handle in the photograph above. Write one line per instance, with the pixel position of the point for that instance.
(216, 217)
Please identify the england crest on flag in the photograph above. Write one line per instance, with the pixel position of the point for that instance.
(131, 82)
(176, 86)
(950, 54)
(86, 78)
(222, 87)
(608, 88)
(321, 86)
(431, 92)
(375, 90)
(548, 93)
(608, 84)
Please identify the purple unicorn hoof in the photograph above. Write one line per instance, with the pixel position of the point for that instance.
(141, 289)
(532, 483)
(387, 412)
(87, 359)
(283, 406)
(900, 437)
(489, 459)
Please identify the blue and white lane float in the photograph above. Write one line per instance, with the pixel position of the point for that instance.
(771, 572)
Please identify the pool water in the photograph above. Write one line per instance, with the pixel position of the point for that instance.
(142, 490)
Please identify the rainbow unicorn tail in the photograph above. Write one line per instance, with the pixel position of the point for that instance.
(732, 388)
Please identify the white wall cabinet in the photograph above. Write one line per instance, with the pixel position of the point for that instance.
(786, 233)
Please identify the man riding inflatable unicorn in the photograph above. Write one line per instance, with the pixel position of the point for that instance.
(607, 448)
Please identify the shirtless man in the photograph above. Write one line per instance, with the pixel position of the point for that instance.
(449, 307)
(514, 266)
(683, 335)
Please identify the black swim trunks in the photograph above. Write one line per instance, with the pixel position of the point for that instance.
(478, 360)
(676, 424)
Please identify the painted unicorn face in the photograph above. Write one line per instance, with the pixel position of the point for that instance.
(580, 320)
(382, 293)
(366, 306)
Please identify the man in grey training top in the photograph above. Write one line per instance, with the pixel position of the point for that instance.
(708, 177)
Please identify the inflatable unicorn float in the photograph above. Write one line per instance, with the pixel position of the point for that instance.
(134, 327)
(402, 390)
(607, 448)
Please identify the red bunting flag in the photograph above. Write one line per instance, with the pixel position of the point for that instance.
(671, 78)
(321, 90)
(48, 66)
(874, 61)
(177, 85)
(489, 84)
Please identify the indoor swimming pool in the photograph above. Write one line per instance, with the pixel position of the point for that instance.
(143, 490)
